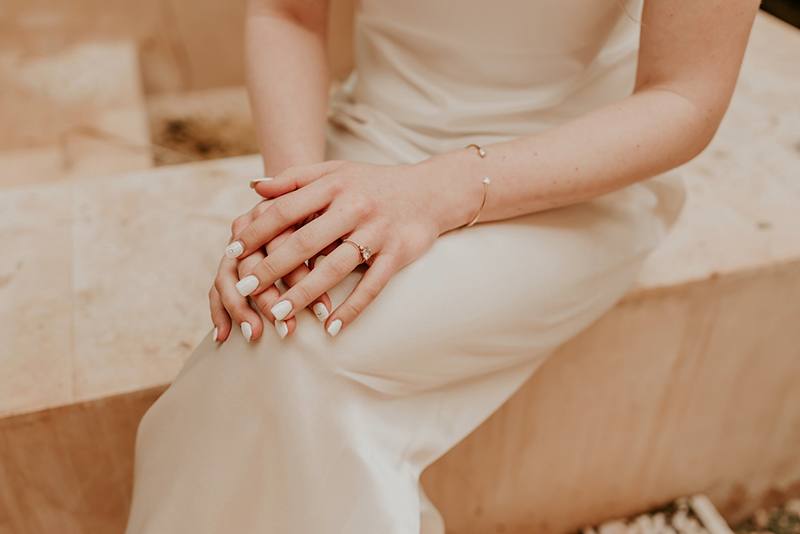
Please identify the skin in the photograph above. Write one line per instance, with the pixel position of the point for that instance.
(689, 58)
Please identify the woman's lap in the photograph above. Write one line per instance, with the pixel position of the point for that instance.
(320, 434)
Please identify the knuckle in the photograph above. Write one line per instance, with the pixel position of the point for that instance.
(238, 224)
(306, 241)
(266, 271)
(218, 285)
(336, 184)
(338, 265)
(301, 295)
(372, 289)
(347, 312)
(361, 206)
(231, 304)
(294, 170)
(264, 304)
(283, 211)
(260, 208)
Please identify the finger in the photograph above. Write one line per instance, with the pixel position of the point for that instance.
(298, 247)
(336, 266)
(294, 178)
(219, 316)
(280, 215)
(370, 285)
(319, 256)
(264, 301)
(241, 222)
(321, 307)
(236, 305)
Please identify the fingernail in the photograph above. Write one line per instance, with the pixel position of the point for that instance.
(216, 334)
(317, 260)
(234, 250)
(321, 311)
(281, 309)
(247, 331)
(247, 285)
(259, 180)
(334, 328)
(281, 328)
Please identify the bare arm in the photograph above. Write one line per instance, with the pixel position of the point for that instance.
(689, 59)
(288, 79)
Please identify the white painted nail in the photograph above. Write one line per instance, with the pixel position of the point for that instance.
(281, 327)
(317, 260)
(281, 309)
(247, 285)
(321, 311)
(247, 331)
(234, 250)
(334, 328)
(216, 334)
(259, 180)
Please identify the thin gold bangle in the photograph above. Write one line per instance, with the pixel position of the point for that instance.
(481, 153)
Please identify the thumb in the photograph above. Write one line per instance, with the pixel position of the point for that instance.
(293, 178)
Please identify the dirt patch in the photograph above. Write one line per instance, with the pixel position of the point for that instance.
(185, 139)
(784, 519)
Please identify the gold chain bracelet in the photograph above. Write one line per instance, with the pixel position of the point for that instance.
(481, 153)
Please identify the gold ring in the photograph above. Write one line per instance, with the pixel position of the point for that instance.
(363, 250)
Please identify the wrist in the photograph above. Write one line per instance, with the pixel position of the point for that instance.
(457, 181)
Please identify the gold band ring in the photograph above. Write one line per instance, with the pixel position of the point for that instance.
(363, 250)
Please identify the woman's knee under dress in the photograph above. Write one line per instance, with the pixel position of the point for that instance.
(329, 435)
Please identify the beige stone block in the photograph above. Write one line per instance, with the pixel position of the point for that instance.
(69, 470)
(43, 97)
(147, 248)
(78, 113)
(35, 298)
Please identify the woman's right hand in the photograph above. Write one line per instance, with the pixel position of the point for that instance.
(228, 306)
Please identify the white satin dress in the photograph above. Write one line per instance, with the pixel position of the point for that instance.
(321, 435)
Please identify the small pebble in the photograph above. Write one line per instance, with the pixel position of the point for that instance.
(761, 518)
(659, 522)
(679, 520)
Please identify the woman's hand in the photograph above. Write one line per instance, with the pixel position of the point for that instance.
(393, 209)
(226, 303)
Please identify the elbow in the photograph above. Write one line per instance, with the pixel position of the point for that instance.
(312, 16)
(699, 117)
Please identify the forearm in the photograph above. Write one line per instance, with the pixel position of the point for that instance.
(287, 80)
(641, 136)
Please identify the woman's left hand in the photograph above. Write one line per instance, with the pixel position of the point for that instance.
(392, 209)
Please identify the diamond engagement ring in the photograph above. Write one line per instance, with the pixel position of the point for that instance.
(363, 250)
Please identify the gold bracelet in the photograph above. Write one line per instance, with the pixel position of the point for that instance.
(481, 153)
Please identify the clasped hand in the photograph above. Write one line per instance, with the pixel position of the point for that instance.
(308, 210)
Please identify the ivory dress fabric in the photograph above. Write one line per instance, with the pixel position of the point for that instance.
(320, 435)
